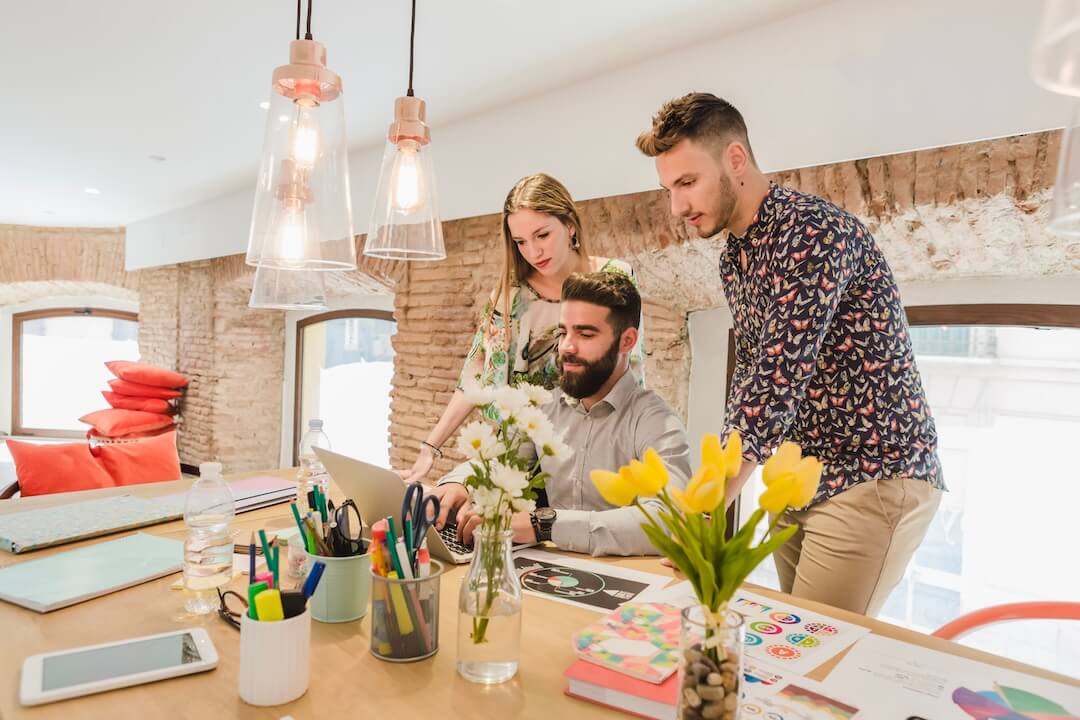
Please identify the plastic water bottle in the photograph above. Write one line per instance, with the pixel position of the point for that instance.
(312, 472)
(208, 550)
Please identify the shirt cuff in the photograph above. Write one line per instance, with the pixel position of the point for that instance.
(572, 530)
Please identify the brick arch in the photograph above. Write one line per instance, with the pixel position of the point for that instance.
(77, 255)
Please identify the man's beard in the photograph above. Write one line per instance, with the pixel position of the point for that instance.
(725, 209)
(588, 382)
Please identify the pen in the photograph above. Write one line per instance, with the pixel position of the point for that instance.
(265, 549)
(313, 578)
(251, 555)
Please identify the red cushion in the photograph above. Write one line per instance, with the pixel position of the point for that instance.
(145, 374)
(116, 423)
(127, 402)
(126, 387)
(151, 460)
(52, 468)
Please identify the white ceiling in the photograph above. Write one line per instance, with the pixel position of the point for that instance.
(93, 90)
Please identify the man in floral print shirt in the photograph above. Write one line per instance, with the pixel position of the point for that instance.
(822, 357)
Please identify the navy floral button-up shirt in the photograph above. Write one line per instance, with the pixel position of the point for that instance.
(822, 351)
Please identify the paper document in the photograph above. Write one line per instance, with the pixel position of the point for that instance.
(781, 634)
(897, 680)
(596, 586)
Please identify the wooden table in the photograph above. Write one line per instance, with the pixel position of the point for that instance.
(346, 680)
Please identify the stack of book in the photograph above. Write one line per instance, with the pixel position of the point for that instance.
(628, 661)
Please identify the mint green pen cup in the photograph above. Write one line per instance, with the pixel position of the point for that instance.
(343, 593)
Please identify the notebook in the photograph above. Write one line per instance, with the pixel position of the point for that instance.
(606, 687)
(34, 529)
(71, 577)
(638, 639)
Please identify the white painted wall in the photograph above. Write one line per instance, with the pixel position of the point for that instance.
(59, 301)
(849, 79)
(288, 386)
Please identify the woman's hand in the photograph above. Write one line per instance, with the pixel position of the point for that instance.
(421, 467)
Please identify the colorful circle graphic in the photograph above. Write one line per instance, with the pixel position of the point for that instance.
(807, 641)
(785, 618)
(752, 639)
(783, 652)
(766, 628)
(816, 628)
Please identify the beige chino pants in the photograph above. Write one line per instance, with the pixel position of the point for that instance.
(852, 549)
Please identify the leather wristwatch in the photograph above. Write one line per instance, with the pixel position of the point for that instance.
(542, 521)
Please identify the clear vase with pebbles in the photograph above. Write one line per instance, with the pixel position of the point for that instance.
(710, 664)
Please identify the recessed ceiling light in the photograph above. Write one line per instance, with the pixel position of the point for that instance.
(157, 158)
(265, 104)
(91, 191)
(283, 118)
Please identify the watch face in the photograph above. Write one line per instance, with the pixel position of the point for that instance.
(545, 514)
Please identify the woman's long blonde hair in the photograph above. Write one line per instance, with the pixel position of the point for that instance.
(543, 194)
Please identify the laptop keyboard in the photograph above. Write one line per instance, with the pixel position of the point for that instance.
(449, 536)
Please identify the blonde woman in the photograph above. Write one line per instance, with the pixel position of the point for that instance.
(517, 340)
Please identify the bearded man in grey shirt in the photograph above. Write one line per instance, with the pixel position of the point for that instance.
(605, 418)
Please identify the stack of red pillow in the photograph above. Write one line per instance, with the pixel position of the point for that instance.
(141, 400)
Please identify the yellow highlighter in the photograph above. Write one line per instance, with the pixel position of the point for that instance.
(404, 622)
(268, 605)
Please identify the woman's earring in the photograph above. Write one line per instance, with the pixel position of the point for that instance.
(574, 244)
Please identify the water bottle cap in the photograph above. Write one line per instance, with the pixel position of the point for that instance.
(315, 424)
(209, 468)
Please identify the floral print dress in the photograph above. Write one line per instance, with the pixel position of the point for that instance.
(822, 351)
(533, 340)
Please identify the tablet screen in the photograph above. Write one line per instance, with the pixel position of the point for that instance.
(86, 666)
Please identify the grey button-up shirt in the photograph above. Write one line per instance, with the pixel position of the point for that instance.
(619, 428)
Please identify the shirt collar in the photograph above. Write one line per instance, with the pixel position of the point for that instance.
(618, 396)
(764, 215)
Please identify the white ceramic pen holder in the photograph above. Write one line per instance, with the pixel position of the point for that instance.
(275, 659)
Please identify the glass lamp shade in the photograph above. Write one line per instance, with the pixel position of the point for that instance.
(302, 214)
(405, 221)
(1055, 57)
(1065, 210)
(288, 289)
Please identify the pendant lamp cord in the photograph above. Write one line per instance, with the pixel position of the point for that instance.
(298, 18)
(307, 36)
(412, 39)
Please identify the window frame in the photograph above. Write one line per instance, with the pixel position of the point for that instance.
(298, 367)
(17, 320)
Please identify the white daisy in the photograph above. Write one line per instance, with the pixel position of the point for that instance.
(511, 481)
(537, 395)
(554, 447)
(478, 395)
(477, 440)
(509, 401)
(536, 425)
(487, 501)
(523, 505)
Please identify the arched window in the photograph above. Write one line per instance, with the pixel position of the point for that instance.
(58, 365)
(344, 369)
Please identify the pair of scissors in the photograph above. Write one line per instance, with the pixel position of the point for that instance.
(414, 508)
(346, 532)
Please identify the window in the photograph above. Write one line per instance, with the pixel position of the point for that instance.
(1004, 386)
(344, 369)
(58, 364)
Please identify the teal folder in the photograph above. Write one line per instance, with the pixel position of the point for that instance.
(71, 577)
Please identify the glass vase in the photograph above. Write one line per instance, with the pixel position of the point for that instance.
(710, 664)
(489, 611)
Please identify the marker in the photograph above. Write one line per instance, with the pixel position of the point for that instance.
(313, 578)
(254, 590)
(403, 560)
(268, 606)
(251, 554)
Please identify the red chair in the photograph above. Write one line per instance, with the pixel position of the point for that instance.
(1004, 613)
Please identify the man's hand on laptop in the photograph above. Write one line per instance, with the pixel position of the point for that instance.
(520, 523)
(452, 497)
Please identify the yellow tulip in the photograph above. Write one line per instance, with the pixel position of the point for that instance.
(808, 474)
(779, 494)
(617, 488)
(650, 476)
(733, 454)
(712, 453)
(781, 463)
(704, 492)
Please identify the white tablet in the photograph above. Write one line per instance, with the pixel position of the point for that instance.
(96, 668)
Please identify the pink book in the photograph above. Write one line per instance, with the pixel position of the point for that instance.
(595, 684)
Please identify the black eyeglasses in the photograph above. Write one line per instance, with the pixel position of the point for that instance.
(233, 606)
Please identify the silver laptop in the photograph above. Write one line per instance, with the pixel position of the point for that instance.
(379, 492)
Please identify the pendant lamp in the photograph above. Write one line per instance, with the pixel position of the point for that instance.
(302, 214)
(405, 219)
(288, 289)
